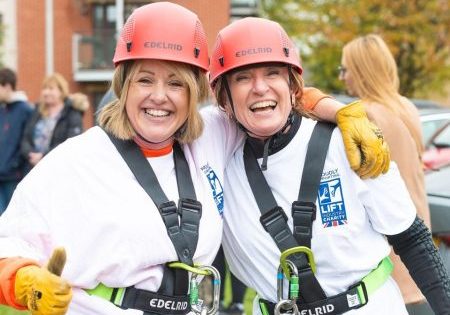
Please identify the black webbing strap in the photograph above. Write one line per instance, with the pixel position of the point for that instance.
(155, 303)
(304, 209)
(274, 219)
(334, 305)
(189, 208)
(183, 234)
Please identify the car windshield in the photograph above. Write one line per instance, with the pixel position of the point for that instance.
(442, 140)
(430, 127)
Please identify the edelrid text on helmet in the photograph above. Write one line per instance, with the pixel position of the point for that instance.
(249, 41)
(163, 31)
(252, 51)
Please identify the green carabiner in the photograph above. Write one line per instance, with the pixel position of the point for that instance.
(294, 250)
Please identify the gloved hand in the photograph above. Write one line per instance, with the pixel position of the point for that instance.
(366, 149)
(42, 290)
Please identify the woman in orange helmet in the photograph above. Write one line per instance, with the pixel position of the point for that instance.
(293, 203)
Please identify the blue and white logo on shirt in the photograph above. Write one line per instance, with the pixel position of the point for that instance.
(216, 187)
(331, 201)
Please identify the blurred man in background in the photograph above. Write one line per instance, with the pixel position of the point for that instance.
(14, 113)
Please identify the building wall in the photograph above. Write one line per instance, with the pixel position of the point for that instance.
(73, 16)
(67, 19)
(9, 47)
(30, 46)
(213, 14)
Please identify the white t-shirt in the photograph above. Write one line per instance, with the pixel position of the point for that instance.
(352, 216)
(84, 197)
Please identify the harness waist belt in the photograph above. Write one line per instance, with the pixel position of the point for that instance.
(146, 301)
(355, 297)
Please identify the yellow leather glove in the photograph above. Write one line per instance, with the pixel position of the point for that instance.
(366, 149)
(42, 290)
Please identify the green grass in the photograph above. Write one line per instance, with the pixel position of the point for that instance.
(4, 310)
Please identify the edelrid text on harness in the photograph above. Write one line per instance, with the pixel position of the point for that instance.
(306, 295)
(182, 224)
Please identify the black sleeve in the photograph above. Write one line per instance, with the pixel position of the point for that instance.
(419, 254)
(75, 124)
(27, 143)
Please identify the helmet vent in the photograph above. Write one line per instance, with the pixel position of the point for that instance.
(128, 32)
(285, 42)
(218, 52)
(199, 39)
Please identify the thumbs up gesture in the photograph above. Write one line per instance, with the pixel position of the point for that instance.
(42, 290)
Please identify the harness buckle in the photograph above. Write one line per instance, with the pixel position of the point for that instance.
(272, 216)
(304, 208)
(361, 291)
(168, 211)
(167, 208)
(191, 205)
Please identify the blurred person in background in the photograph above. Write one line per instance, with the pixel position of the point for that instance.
(14, 113)
(369, 72)
(108, 97)
(80, 101)
(55, 119)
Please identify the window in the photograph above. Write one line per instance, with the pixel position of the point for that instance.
(243, 8)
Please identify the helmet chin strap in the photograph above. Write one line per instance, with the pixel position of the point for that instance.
(269, 140)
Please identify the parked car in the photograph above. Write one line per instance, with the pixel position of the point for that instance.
(432, 115)
(432, 120)
(437, 148)
(420, 103)
(438, 191)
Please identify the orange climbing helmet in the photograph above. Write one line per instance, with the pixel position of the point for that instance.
(249, 41)
(164, 31)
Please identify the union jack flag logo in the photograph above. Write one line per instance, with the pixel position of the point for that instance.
(331, 203)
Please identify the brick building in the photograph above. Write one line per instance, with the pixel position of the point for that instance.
(77, 38)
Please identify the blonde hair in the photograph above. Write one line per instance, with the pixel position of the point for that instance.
(80, 101)
(60, 82)
(113, 117)
(373, 70)
(375, 77)
(295, 81)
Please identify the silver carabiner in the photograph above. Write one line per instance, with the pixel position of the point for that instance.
(280, 278)
(286, 305)
(199, 308)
